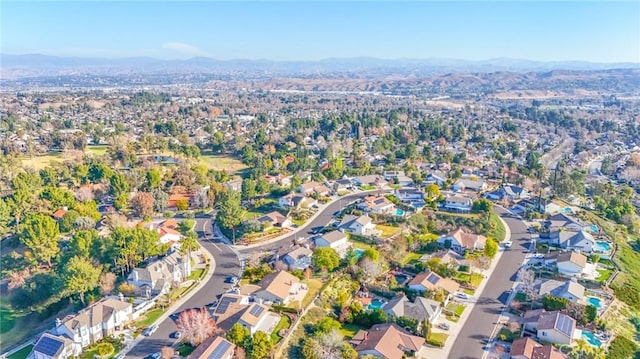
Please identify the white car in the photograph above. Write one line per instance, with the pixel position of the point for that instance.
(508, 244)
(462, 295)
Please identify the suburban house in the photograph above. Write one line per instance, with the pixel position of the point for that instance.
(234, 185)
(458, 204)
(432, 281)
(561, 220)
(299, 258)
(293, 200)
(390, 175)
(342, 185)
(334, 239)
(370, 180)
(176, 198)
(362, 226)
(508, 192)
(467, 184)
(160, 276)
(574, 264)
(448, 257)
(570, 290)
(95, 322)
(214, 348)
(573, 240)
(167, 231)
(279, 287)
(377, 205)
(460, 241)
(422, 309)
(310, 188)
(57, 215)
(257, 317)
(404, 181)
(228, 310)
(437, 178)
(386, 340)
(527, 348)
(51, 346)
(409, 194)
(274, 219)
(556, 327)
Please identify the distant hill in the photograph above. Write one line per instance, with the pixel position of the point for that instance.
(17, 66)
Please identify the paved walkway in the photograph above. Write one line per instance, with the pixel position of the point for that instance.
(432, 352)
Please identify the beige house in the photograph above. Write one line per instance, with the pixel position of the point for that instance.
(460, 241)
(279, 287)
(432, 281)
(386, 341)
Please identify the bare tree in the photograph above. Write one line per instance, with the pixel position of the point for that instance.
(84, 194)
(167, 352)
(107, 283)
(18, 279)
(196, 325)
(528, 280)
(370, 268)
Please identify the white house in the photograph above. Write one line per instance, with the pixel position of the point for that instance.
(377, 205)
(160, 276)
(460, 241)
(573, 240)
(334, 239)
(422, 309)
(574, 264)
(274, 219)
(362, 226)
(409, 194)
(257, 317)
(293, 200)
(95, 322)
(467, 184)
(556, 327)
(299, 258)
(51, 346)
(279, 287)
(569, 289)
(458, 203)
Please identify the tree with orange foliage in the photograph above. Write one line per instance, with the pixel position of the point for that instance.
(196, 325)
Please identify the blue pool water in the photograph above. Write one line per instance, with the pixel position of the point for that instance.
(591, 339)
(602, 246)
(376, 304)
(594, 301)
(594, 228)
(399, 212)
(567, 210)
(359, 252)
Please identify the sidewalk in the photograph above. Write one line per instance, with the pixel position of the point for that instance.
(430, 352)
(179, 302)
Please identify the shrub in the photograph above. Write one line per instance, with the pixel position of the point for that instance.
(622, 348)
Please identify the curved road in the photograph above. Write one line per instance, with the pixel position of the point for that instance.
(226, 264)
(322, 219)
(489, 305)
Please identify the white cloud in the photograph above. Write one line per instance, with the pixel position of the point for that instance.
(184, 49)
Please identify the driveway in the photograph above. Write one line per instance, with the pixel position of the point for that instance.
(226, 264)
(486, 311)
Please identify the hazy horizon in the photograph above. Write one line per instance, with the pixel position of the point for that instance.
(599, 32)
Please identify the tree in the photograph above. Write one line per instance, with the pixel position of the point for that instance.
(230, 213)
(326, 325)
(482, 205)
(325, 258)
(80, 276)
(82, 243)
(182, 204)
(189, 243)
(260, 346)
(160, 200)
(107, 283)
(370, 268)
(372, 254)
(142, 204)
(186, 226)
(67, 221)
(118, 185)
(528, 279)
(238, 335)
(490, 248)
(154, 178)
(104, 349)
(167, 352)
(196, 325)
(40, 235)
(84, 223)
(551, 302)
(248, 189)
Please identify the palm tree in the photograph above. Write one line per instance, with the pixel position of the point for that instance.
(188, 243)
(581, 349)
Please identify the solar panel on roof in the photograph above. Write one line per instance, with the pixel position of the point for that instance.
(224, 304)
(256, 310)
(432, 278)
(48, 346)
(378, 201)
(219, 351)
(564, 325)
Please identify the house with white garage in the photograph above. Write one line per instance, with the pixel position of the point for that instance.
(460, 241)
(280, 287)
(298, 258)
(458, 203)
(422, 309)
(573, 264)
(556, 327)
(160, 276)
(334, 239)
(359, 225)
(568, 289)
(581, 241)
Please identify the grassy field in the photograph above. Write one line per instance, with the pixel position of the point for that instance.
(284, 323)
(349, 330)
(387, 231)
(40, 162)
(410, 257)
(499, 232)
(22, 353)
(221, 162)
(314, 286)
(437, 339)
(96, 150)
(149, 317)
(14, 325)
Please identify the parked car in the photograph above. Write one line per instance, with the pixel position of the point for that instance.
(444, 326)
(462, 295)
(176, 335)
(119, 356)
(508, 244)
(232, 280)
(150, 330)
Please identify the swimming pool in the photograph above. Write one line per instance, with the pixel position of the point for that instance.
(376, 304)
(567, 210)
(401, 278)
(602, 246)
(399, 212)
(591, 339)
(593, 228)
(359, 252)
(594, 301)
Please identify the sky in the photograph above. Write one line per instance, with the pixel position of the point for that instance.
(597, 31)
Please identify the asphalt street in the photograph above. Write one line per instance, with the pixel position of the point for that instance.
(226, 264)
(489, 305)
(321, 220)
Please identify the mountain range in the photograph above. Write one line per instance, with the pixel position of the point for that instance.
(27, 65)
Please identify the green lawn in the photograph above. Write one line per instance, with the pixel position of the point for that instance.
(40, 162)
(362, 245)
(604, 274)
(196, 274)
(97, 150)
(367, 187)
(22, 353)
(14, 325)
(410, 257)
(499, 232)
(437, 339)
(387, 231)
(284, 323)
(476, 279)
(91, 354)
(469, 291)
(222, 162)
(349, 330)
(455, 308)
(506, 335)
(149, 317)
(314, 286)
